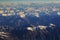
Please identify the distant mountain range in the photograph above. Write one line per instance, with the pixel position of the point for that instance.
(30, 21)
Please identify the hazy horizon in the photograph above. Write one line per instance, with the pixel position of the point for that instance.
(31, 1)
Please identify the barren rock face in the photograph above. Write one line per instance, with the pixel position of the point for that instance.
(6, 36)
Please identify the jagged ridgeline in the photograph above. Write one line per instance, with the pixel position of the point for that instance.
(32, 21)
